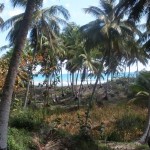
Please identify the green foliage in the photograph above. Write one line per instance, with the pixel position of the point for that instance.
(84, 144)
(127, 126)
(143, 80)
(85, 126)
(19, 140)
(133, 90)
(104, 147)
(141, 99)
(139, 92)
(142, 147)
(26, 120)
(16, 104)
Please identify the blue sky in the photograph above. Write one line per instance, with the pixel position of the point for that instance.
(75, 7)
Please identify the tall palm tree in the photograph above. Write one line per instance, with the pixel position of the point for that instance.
(109, 31)
(74, 47)
(12, 72)
(45, 24)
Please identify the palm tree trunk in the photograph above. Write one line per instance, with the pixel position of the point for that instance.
(68, 78)
(107, 85)
(125, 72)
(62, 90)
(12, 73)
(95, 85)
(137, 65)
(146, 134)
(77, 78)
(72, 83)
(129, 75)
(80, 89)
(29, 80)
(27, 93)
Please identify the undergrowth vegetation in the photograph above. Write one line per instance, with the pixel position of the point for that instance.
(119, 121)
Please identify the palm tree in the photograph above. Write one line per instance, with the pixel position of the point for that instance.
(74, 47)
(137, 9)
(12, 72)
(47, 21)
(45, 25)
(109, 31)
(142, 89)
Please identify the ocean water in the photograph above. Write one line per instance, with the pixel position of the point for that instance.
(40, 78)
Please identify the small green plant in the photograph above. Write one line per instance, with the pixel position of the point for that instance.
(85, 125)
(19, 140)
(26, 120)
(127, 128)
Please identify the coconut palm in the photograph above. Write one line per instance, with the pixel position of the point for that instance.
(45, 24)
(12, 72)
(46, 20)
(109, 31)
(74, 47)
(141, 90)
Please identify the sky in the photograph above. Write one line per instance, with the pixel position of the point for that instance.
(75, 7)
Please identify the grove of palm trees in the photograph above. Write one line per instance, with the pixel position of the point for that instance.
(66, 86)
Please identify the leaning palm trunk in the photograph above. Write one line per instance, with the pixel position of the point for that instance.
(12, 73)
(29, 81)
(81, 85)
(146, 135)
(27, 93)
(92, 96)
(95, 85)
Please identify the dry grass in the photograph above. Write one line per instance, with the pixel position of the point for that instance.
(106, 116)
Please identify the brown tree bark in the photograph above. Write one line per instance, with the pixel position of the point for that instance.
(12, 73)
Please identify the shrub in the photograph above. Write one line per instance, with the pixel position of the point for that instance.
(127, 128)
(19, 140)
(26, 120)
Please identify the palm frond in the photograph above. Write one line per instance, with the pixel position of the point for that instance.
(58, 10)
(95, 11)
(13, 33)
(1, 7)
(5, 47)
(10, 22)
(137, 10)
(107, 6)
(23, 3)
(19, 3)
(91, 32)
